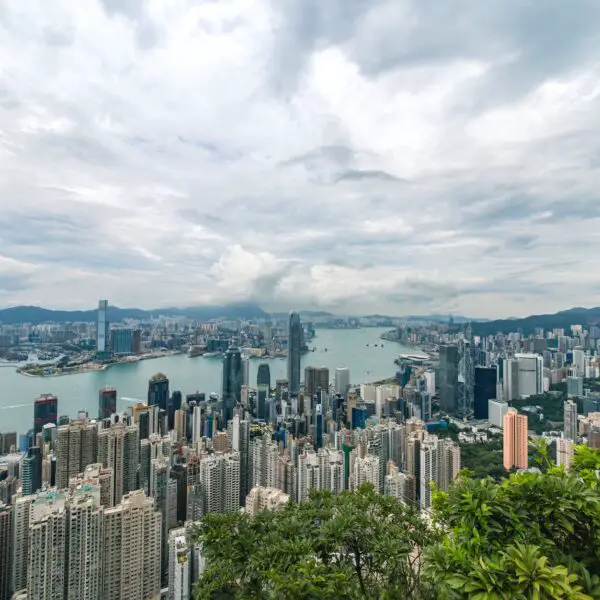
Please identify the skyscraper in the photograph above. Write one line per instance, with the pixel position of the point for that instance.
(531, 374)
(232, 381)
(132, 532)
(107, 402)
(6, 547)
(342, 380)
(570, 420)
(45, 410)
(158, 391)
(102, 328)
(316, 379)
(449, 378)
(31, 471)
(294, 353)
(263, 381)
(564, 453)
(510, 379)
(515, 440)
(484, 390)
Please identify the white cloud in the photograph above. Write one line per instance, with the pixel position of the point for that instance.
(360, 157)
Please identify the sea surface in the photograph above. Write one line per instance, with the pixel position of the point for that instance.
(334, 348)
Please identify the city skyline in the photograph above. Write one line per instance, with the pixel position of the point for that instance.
(355, 157)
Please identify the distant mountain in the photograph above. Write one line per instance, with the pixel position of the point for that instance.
(36, 314)
(560, 320)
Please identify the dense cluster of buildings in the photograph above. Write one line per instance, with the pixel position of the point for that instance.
(98, 506)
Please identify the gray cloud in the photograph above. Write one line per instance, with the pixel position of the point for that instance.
(386, 156)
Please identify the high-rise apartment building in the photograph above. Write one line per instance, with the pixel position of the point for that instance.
(309, 473)
(107, 402)
(579, 361)
(366, 470)
(45, 410)
(102, 328)
(131, 568)
(448, 463)
(76, 448)
(428, 469)
(515, 440)
(220, 482)
(20, 547)
(118, 450)
(564, 453)
(448, 378)
(265, 498)
(570, 420)
(46, 564)
(295, 337)
(232, 382)
(6, 548)
(180, 565)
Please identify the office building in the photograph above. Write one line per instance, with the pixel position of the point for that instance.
(515, 440)
(232, 382)
(8, 441)
(295, 339)
(107, 402)
(263, 375)
(342, 380)
(496, 411)
(564, 453)
(6, 549)
(316, 380)
(121, 341)
(570, 420)
(531, 374)
(102, 328)
(132, 531)
(510, 379)
(265, 498)
(245, 371)
(45, 410)
(180, 565)
(448, 378)
(484, 390)
(158, 391)
(31, 471)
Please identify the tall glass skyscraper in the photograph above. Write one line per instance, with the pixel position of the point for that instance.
(107, 402)
(45, 410)
(294, 353)
(102, 333)
(158, 391)
(232, 381)
(263, 382)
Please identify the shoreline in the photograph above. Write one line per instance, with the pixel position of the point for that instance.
(97, 367)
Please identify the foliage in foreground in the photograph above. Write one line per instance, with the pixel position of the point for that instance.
(531, 536)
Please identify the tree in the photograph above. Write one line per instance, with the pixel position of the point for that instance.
(349, 546)
(533, 535)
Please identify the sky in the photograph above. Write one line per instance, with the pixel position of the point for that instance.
(357, 156)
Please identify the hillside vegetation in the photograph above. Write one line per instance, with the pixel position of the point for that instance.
(528, 536)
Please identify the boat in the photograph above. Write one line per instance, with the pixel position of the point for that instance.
(195, 351)
(213, 355)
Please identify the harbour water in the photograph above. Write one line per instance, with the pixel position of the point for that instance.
(352, 348)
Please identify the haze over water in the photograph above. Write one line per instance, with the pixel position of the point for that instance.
(345, 348)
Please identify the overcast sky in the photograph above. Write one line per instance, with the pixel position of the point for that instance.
(359, 156)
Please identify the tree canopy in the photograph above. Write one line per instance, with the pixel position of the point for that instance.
(533, 535)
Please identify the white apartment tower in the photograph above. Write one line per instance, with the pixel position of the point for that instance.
(366, 470)
(564, 453)
(309, 473)
(220, 482)
(180, 562)
(428, 462)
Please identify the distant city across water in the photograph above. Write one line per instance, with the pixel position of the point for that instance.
(352, 348)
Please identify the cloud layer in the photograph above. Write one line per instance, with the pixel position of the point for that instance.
(387, 156)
